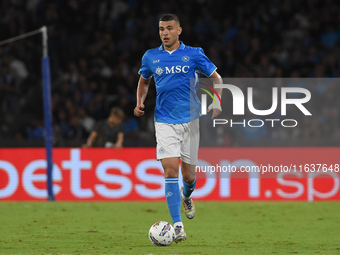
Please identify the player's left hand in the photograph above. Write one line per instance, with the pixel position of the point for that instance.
(216, 110)
(215, 113)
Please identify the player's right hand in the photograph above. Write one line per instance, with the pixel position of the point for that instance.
(139, 110)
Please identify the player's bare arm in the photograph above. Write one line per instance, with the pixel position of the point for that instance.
(217, 80)
(142, 91)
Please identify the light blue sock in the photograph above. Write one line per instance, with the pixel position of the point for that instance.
(173, 198)
(188, 188)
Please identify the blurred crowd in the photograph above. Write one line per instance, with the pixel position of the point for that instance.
(95, 49)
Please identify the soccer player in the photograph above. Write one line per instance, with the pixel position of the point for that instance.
(177, 110)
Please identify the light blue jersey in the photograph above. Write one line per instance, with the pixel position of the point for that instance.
(176, 100)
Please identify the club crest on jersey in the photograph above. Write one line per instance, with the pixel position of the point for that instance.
(159, 71)
(185, 58)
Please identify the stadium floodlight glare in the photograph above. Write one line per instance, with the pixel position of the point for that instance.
(46, 83)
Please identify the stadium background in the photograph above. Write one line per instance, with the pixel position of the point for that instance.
(95, 49)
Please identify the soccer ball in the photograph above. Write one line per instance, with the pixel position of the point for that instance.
(161, 233)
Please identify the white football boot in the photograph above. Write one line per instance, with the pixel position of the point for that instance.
(179, 232)
(188, 205)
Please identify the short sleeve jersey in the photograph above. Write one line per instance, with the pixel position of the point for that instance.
(107, 133)
(176, 74)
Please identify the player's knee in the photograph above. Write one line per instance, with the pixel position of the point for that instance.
(170, 166)
(187, 174)
(170, 172)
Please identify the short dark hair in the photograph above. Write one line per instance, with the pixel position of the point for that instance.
(169, 17)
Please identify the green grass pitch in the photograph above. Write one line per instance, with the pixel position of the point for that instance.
(122, 228)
